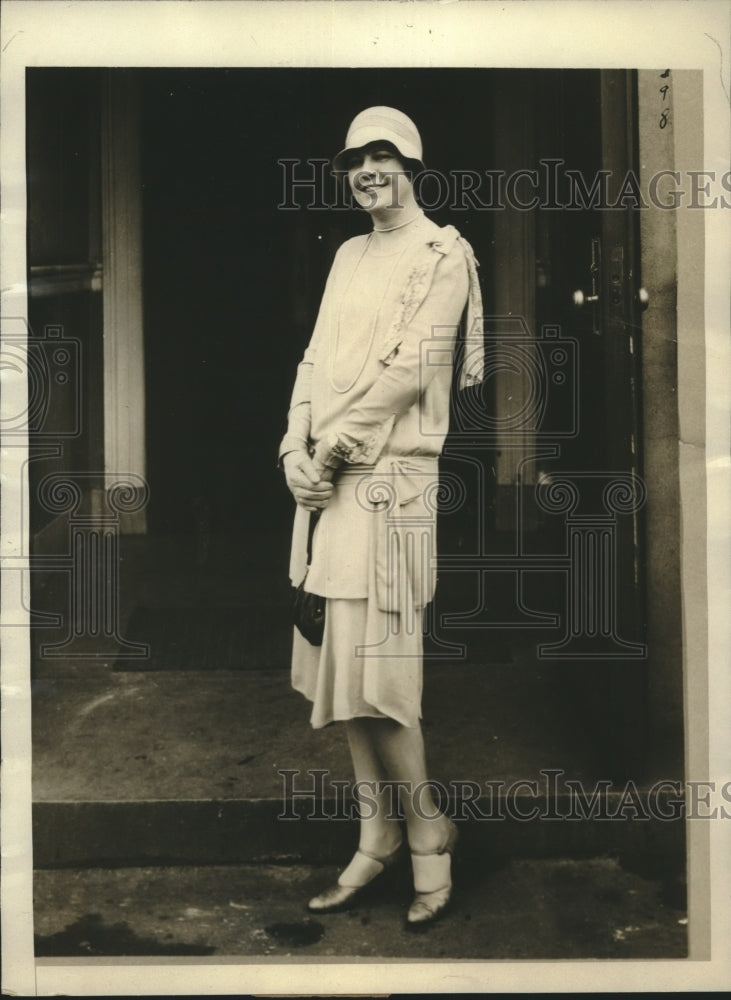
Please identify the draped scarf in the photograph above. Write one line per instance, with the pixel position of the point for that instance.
(417, 288)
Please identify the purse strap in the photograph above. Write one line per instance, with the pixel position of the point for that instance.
(314, 518)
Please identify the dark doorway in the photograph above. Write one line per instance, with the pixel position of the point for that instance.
(233, 281)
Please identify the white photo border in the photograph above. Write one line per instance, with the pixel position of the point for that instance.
(375, 33)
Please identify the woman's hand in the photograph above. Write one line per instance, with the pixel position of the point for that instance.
(308, 483)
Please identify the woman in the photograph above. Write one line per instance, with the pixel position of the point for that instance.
(367, 421)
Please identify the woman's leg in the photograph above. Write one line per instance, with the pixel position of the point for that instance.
(379, 831)
(400, 749)
(379, 834)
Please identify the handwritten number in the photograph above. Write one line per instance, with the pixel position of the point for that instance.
(664, 119)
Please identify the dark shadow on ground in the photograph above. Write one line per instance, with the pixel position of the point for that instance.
(89, 936)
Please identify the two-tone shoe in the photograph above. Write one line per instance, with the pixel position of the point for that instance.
(428, 906)
(341, 897)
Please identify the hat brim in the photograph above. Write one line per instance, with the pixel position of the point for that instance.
(340, 161)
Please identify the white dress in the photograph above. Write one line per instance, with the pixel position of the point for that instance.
(374, 547)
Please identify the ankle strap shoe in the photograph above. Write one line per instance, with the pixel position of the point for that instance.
(341, 897)
(429, 906)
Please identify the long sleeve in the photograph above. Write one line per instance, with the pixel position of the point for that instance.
(299, 417)
(300, 408)
(361, 435)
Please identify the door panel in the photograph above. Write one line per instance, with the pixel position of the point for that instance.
(594, 251)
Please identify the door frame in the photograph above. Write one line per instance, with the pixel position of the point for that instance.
(124, 361)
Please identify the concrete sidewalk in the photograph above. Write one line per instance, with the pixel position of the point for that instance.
(523, 909)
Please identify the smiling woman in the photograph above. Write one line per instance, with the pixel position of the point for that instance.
(367, 421)
(375, 176)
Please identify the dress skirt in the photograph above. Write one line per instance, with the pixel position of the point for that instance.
(371, 659)
(346, 678)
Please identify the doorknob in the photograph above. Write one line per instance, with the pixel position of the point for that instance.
(643, 298)
(582, 298)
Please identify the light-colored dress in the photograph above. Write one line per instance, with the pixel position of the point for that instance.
(372, 396)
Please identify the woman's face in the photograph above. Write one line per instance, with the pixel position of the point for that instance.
(377, 178)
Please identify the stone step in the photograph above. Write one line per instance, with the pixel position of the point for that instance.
(200, 766)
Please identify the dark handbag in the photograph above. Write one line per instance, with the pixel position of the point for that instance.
(308, 610)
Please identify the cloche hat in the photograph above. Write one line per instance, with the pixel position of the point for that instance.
(382, 124)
